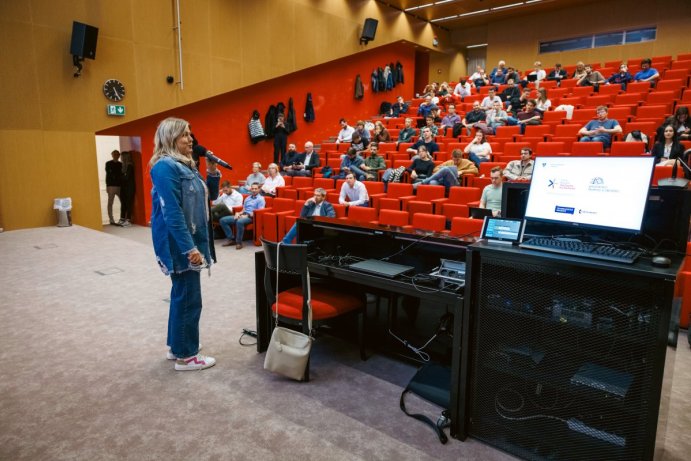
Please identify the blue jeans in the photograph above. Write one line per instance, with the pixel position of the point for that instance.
(185, 310)
(605, 140)
(446, 176)
(227, 221)
(290, 236)
(473, 158)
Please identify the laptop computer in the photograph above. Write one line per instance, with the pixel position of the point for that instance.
(382, 268)
(479, 213)
(531, 77)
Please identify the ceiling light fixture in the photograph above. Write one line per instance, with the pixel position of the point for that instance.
(479, 45)
(412, 8)
(445, 18)
(473, 12)
(503, 7)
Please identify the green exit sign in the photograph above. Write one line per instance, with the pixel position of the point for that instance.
(116, 110)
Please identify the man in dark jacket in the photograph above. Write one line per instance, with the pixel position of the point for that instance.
(310, 160)
(315, 206)
(113, 181)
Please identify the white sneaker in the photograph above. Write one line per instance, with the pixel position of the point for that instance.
(196, 362)
(170, 356)
(126, 223)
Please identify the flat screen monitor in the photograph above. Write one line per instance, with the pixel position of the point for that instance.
(608, 193)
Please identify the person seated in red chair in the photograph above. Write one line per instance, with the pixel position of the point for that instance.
(622, 77)
(520, 170)
(253, 202)
(353, 193)
(647, 73)
(314, 206)
(373, 163)
(272, 181)
(591, 78)
(310, 160)
(427, 140)
(528, 116)
(292, 161)
(491, 194)
(223, 205)
(450, 119)
(450, 172)
(407, 132)
(601, 129)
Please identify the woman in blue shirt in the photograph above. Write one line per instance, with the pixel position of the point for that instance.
(179, 229)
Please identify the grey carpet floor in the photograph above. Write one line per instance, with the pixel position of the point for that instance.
(82, 340)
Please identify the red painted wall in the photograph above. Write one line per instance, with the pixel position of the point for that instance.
(220, 123)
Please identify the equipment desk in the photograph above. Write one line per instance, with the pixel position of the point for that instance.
(334, 243)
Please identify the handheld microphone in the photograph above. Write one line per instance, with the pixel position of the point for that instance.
(201, 151)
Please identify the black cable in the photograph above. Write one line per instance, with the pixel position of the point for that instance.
(248, 332)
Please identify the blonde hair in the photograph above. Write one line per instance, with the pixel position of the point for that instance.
(168, 131)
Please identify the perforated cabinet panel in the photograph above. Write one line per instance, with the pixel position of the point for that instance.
(563, 364)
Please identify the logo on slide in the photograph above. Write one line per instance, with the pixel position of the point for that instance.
(551, 183)
(597, 180)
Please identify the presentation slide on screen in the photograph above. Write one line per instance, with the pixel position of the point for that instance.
(600, 191)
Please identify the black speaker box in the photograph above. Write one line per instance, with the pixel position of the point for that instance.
(369, 30)
(84, 38)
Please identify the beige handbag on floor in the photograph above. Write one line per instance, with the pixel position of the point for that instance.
(289, 350)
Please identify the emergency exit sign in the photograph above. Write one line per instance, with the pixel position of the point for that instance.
(116, 110)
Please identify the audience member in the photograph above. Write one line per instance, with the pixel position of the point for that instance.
(350, 163)
(557, 74)
(399, 107)
(224, 203)
(489, 100)
(449, 173)
(475, 118)
(291, 159)
(213, 177)
(538, 72)
(623, 77)
(601, 129)
(497, 117)
(450, 119)
(253, 202)
(254, 177)
(353, 193)
(113, 182)
(346, 133)
(479, 78)
(491, 194)
(421, 167)
(429, 124)
(501, 67)
(381, 134)
(668, 147)
(528, 116)
(407, 132)
(358, 143)
(681, 123)
(426, 140)
(272, 181)
(522, 101)
(478, 149)
(580, 71)
(127, 189)
(647, 73)
(461, 90)
(314, 206)
(498, 78)
(362, 131)
(511, 74)
(426, 107)
(591, 78)
(373, 164)
(511, 95)
(542, 103)
(520, 170)
(310, 160)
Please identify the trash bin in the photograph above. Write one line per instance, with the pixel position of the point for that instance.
(63, 208)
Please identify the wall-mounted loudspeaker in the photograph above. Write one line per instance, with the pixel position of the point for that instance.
(369, 30)
(84, 38)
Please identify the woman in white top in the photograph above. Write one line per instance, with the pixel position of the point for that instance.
(273, 180)
(478, 149)
(543, 104)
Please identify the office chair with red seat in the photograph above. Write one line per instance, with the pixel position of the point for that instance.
(550, 148)
(537, 131)
(466, 227)
(459, 195)
(453, 210)
(394, 192)
(416, 206)
(361, 214)
(587, 148)
(292, 305)
(273, 220)
(424, 193)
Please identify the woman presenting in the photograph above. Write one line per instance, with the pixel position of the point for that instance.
(179, 221)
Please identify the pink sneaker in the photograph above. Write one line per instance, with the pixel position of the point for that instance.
(170, 356)
(196, 362)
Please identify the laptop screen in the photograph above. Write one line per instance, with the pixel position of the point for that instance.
(505, 230)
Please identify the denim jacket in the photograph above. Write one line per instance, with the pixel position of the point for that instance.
(179, 218)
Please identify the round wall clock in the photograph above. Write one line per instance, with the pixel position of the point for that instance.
(114, 90)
